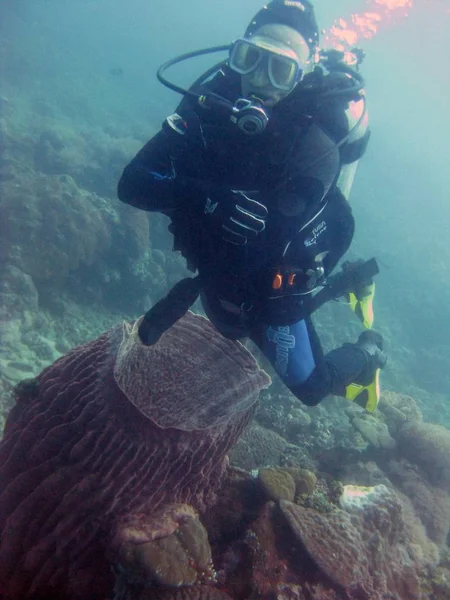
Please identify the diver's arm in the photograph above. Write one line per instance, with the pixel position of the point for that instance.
(151, 181)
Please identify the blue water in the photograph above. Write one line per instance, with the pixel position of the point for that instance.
(88, 68)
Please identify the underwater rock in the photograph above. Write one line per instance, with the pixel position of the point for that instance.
(82, 455)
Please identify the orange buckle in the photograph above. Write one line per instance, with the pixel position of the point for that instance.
(291, 278)
(277, 281)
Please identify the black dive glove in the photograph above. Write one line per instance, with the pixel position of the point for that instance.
(360, 283)
(371, 343)
(238, 213)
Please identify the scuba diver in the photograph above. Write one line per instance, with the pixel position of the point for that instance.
(252, 170)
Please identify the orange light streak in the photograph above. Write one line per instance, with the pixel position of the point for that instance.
(345, 33)
(392, 4)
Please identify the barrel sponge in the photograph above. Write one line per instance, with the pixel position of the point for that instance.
(78, 457)
(222, 375)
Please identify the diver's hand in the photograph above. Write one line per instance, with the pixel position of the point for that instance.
(360, 285)
(238, 213)
(371, 343)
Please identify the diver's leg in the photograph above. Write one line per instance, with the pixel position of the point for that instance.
(296, 354)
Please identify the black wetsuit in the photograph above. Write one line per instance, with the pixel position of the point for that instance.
(251, 290)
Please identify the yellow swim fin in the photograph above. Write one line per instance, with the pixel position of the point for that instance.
(363, 308)
(366, 396)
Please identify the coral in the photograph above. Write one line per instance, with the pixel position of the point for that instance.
(363, 473)
(286, 483)
(136, 231)
(278, 484)
(431, 504)
(362, 548)
(356, 497)
(51, 227)
(253, 566)
(296, 553)
(318, 592)
(375, 432)
(92, 157)
(168, 548)
(318, 501)
(333, 542)
(422, 550)
(428, 446)
(305, 480)
(297, 422)
(78, 456)
(318, 493)
(441, 583)
(18, 296)
(196, 592)
(285, 551)
(238, 503)
(398, 409)
(258, 447)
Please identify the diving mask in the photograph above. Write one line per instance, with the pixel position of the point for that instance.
(283, 67)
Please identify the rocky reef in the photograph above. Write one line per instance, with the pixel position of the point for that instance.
(106, 494)
(73, 260)
(116, 484)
